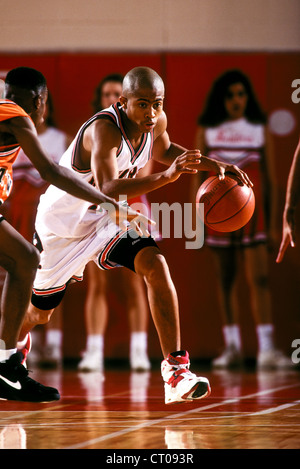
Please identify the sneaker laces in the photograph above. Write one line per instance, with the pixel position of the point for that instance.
(173, 371)
(16, 367)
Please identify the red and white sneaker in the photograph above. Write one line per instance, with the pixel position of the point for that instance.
(180, 384)
(24, 347)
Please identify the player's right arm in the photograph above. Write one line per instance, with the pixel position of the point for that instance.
(102, 140)
(25, 134)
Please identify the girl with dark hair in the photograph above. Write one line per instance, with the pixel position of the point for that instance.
(108, 91)
(232, 129)
(216, 109)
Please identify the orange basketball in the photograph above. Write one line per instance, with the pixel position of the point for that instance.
(228, 206)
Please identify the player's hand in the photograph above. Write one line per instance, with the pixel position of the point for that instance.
(234, 170)
(188, 162)
(138, 222)
(124, 216)
(209, 164)
(288, 234)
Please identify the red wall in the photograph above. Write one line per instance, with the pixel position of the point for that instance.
(188, 77)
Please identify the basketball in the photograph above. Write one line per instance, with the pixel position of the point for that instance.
(228, 206)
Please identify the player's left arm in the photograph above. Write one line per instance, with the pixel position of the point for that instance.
(165, 151)
(170, 153)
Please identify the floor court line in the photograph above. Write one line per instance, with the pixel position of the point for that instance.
(140, 426)
(271, 410)
(58, 407)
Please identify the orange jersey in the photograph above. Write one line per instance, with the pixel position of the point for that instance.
(8, 153)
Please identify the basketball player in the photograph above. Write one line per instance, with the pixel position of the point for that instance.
(110, 148)
(26, 93)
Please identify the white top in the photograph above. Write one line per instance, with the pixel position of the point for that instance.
(54, 141)
(235, 142)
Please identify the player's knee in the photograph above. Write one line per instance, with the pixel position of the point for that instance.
(34, 257)
(26, 264)
(152, 265)
(44, 316)
(30, 258)
(36, 316)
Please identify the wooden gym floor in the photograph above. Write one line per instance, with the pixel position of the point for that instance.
(125, 410)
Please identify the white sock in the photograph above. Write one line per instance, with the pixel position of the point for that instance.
(6, 354)
(54, 337)
(265, 337)
(138, 340)
(95, 342)
(232, 336)
(21, 344)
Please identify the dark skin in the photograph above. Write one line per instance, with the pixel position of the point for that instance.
(291, 202)
(142, 111)
(18, 257)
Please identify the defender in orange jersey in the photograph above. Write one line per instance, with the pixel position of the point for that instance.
(8, 151)
(20, 114)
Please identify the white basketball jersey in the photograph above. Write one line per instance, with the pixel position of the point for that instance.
(68, 216)
(235, 142)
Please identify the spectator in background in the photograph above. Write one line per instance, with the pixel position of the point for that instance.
(232, 129)
(129, 287)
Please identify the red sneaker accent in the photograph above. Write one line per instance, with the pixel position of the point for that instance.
(26, 348)
(176, 377)
(181, 359)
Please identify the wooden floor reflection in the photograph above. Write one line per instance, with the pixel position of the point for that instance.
(125, 410)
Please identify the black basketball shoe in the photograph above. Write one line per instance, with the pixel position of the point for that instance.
(15, 385)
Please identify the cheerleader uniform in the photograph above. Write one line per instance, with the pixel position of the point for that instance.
(240, 143)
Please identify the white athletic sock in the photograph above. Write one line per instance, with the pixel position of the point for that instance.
(95, 342)
(138, 340)
(232, 336)
(21, 344)
(6, 354)
(265, 337)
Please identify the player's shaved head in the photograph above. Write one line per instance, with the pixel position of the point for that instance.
(142, 78)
